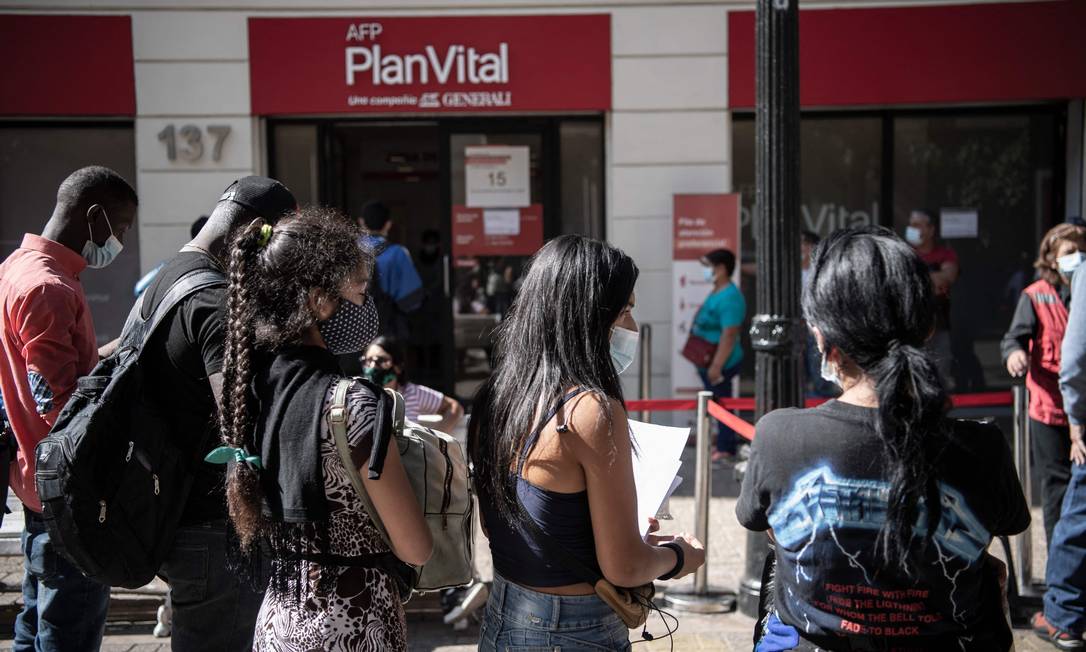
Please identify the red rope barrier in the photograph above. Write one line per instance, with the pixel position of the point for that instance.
(719, 409)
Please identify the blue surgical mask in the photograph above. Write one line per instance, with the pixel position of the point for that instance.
(828, 373)
(623, 347)
(708, 273)
(1069, 263)
(912, 236)
(96, 255)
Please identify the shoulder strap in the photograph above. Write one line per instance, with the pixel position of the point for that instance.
(337, 418)
(530, 443)
(138, 330)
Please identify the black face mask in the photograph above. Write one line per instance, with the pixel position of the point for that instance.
(429, 253)
(351, 327)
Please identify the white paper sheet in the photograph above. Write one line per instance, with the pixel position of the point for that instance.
(656, 465)
(501, 221)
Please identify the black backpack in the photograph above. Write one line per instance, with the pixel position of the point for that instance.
(111, 481)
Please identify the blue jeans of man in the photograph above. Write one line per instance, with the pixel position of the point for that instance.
(1065, 600)
(725, 436)
(517, 618)
(213, 609)
(62, 609)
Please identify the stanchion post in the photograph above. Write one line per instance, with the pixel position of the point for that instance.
(646, 368)
(701, 599)
(1023, 543)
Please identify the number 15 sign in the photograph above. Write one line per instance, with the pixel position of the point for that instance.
(497, 176)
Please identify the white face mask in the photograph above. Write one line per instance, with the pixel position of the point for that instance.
(828, 373)
(1069, 263)
(96, 255)
(623, 347)
(707, 272)
(912, 236)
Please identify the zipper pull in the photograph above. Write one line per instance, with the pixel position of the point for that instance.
(102, 511)
(128, 456)
(155, 476)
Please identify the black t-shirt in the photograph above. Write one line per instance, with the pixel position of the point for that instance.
(183, 354)
(816, 477)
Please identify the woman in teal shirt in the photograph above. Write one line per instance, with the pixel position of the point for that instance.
(719, 321)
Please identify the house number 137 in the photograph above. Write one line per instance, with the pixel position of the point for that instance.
(187, 143)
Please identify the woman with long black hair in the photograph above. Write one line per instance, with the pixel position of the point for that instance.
(296, 299)
(881, 507)
(550, 443)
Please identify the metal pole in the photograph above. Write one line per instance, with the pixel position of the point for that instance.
(1023, 543)
(777, 334)
(701, 599)
(646, 368)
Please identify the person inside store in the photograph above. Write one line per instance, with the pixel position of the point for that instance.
(48, 343)
(209, 607)
(298, 297)
(718, 322)
(1031, 348)
(398, 290)
(942, 262)
(881, 507)
(1063, 621)
(552, 452)
(385, 364)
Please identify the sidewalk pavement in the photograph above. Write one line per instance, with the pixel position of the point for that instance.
(724, 632)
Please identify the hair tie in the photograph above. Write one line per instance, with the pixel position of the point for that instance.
(226, 454)
(265, 236)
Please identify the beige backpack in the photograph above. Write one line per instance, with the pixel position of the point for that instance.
(438, 471)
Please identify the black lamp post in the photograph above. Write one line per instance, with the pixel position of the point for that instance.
(777, 331)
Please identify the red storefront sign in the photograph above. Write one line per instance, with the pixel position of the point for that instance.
(432, 65)
(66, 65)
(703, 223)
(985, 52)
(473, 235)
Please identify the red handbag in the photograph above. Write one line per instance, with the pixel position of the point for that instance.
(699, 351)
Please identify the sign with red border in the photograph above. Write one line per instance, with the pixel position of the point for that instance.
(470, 236)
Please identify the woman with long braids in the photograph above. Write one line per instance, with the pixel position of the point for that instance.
(881, 507)
(296, 299)
(550, 443)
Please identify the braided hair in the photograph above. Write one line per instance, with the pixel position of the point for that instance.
(271, 279)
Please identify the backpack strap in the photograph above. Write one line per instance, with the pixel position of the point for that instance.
(337, 419)
(138, 331)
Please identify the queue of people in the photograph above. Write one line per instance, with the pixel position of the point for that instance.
(881, 508)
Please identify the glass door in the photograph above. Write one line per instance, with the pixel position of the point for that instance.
(498, 195)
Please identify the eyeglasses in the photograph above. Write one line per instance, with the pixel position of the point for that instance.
(377, 361)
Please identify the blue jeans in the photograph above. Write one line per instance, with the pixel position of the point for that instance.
(212, 608)
(62, 609)
(725, 436)
(519, 619)
(1065, 600)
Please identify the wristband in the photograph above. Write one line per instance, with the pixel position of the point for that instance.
(680, 560)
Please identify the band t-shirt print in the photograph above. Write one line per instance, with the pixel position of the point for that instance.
(816, 477)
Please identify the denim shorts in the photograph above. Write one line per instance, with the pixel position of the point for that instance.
(521, 620)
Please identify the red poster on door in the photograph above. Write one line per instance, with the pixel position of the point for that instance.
(439, 64)
(703, 223)
(497, 231)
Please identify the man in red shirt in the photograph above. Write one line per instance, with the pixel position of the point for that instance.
(942, 262)
(48, 343)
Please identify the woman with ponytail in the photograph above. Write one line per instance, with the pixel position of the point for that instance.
(296, 299)
(881, 507)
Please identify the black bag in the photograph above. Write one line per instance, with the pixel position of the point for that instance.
(112, 481)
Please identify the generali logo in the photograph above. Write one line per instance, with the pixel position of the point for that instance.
(459, 64)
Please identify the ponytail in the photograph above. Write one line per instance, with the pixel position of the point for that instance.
(912, 426)
(243, 492)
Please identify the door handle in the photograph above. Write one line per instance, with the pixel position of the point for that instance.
(445, 275)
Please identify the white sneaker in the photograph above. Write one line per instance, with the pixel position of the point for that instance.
(164, 626)
(475, 597)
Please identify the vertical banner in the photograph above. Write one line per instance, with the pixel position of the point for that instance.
(701, 223)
